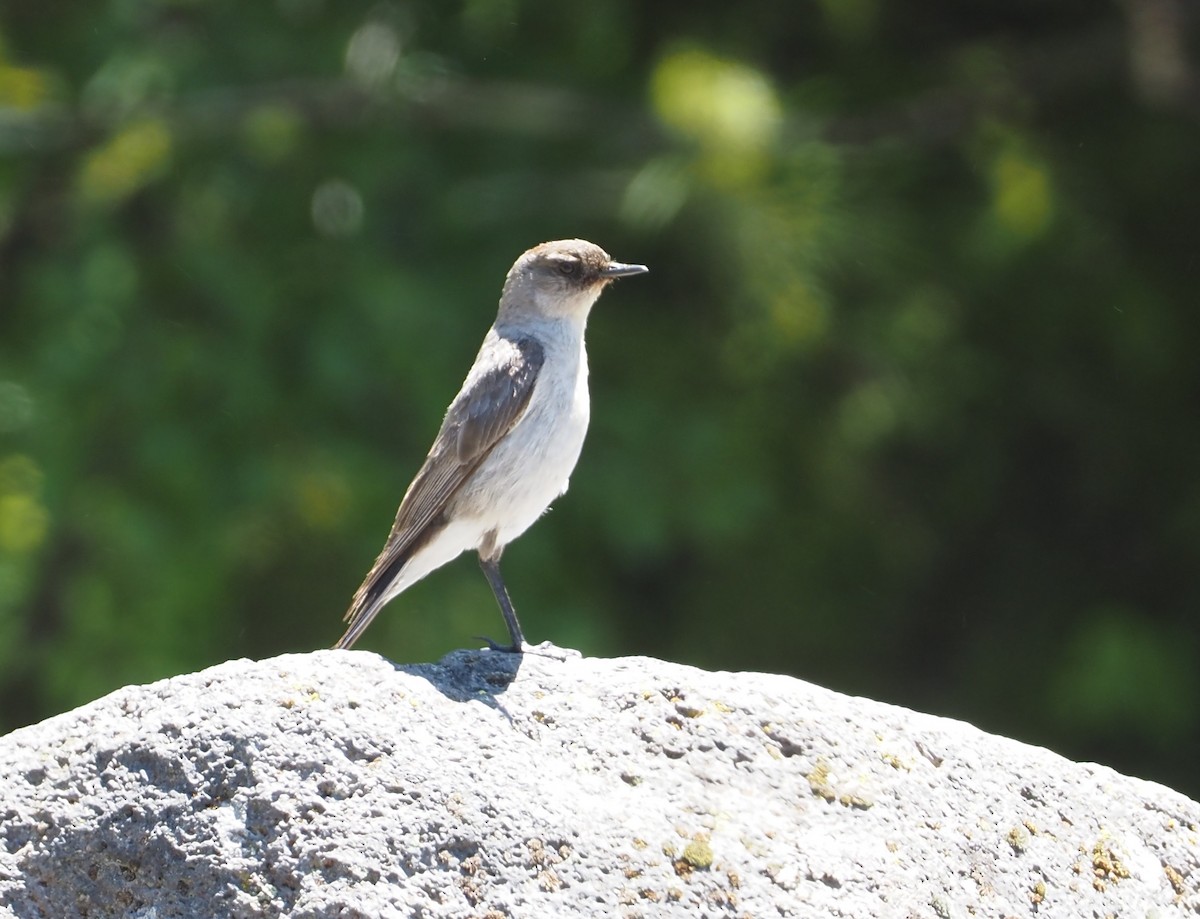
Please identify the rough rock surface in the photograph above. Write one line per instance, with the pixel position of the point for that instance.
(337, 784)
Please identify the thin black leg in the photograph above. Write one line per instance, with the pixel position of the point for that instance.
(491, 571)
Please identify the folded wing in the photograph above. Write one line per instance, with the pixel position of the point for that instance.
(485, 410)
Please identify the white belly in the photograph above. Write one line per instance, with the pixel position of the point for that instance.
(532, 466)
(525, 472)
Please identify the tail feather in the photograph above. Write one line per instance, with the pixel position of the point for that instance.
(372, 596)
(358, 624)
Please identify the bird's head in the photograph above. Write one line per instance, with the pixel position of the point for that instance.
(560, 279)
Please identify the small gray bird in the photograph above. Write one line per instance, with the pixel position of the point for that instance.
(510, 438)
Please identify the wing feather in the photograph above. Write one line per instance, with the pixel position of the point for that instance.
(491, 402)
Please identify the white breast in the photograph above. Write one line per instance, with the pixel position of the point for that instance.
(532, 466)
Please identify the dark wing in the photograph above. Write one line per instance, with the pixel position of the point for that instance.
(474, 423)
(483, 412)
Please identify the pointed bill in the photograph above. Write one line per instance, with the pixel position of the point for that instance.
(621, 270)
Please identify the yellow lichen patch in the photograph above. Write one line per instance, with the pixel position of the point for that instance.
(857, 801)
(818, 781)
(698, 853)
(1106, 865)
(1175, 879)
(1018, 838)
(1038, 894)
(820, 784)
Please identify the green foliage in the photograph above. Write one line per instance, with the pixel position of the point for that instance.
(906, 405)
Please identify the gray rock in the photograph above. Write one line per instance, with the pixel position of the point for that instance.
(337, 784)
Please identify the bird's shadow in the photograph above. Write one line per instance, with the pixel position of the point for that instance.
(482, 675)
(469, 676)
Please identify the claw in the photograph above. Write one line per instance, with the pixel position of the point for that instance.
(506, 649)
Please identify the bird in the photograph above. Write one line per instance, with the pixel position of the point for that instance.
(509, 440)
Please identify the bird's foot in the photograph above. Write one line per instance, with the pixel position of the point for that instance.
(493, 646)
(545, 649)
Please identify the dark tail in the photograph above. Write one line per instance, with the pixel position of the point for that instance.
(370, 597)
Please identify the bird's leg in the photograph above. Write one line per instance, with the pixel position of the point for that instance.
(491, 571)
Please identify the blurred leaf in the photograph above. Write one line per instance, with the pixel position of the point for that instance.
(729, 108)
(132, 158)
(1121, 676)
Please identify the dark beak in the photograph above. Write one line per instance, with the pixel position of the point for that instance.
(619, 270)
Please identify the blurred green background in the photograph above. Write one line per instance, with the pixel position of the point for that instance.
(907, 406)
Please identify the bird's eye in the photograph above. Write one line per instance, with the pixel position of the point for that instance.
(569, 269)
